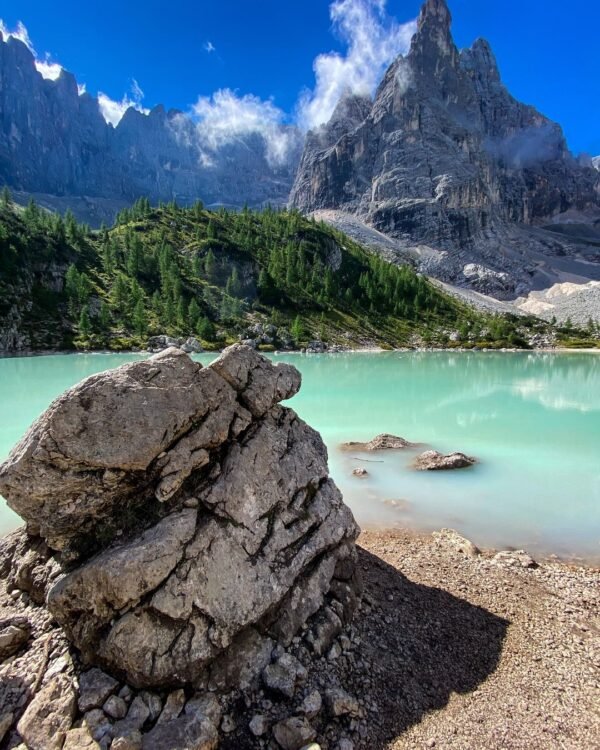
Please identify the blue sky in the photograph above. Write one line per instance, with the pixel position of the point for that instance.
(547, 50)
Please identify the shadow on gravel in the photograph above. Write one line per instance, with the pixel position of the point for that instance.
(424, 645)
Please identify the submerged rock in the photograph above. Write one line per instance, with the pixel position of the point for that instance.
(434, 461)
(360, 473)
(189, 523)
(382, 442)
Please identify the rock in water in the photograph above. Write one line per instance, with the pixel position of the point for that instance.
(193, 517)
(383, 442)
(434, 461)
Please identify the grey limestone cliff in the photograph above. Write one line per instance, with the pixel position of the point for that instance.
(446, 161)
(56, 146)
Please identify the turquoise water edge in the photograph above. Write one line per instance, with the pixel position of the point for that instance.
(532, 420)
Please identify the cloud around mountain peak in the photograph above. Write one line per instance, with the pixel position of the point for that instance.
(373, 40)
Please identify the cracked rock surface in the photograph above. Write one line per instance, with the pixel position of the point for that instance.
(181, 531)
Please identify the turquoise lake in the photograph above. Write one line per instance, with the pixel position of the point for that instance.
(532, 420)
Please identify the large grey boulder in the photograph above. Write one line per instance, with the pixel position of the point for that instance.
(192, 516)
(106, 447)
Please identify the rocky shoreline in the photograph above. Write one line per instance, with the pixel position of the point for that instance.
(537, 669)
(451, 648)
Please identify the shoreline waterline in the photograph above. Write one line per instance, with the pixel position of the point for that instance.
(280, 352)
(566, 562)
(383, 533)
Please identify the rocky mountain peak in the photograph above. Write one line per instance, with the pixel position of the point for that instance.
(447, 158)
(433, 31)
(434, 12)
(67, 83)
(56, 142)
(433, 56)
(481, 61)
(17, 46)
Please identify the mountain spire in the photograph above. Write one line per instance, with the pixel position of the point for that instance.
(433, 40)
(435, 12)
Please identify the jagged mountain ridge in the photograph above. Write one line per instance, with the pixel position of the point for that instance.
(455, 169)
(56, 146)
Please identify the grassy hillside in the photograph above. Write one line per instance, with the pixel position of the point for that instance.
(216, 275)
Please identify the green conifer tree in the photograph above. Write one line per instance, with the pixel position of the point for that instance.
(85, 325)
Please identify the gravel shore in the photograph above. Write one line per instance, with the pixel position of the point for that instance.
(451, 648)
(477, 652)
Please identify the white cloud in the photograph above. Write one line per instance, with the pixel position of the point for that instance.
(81, 88)
(20, 33)
(113, 111)
(225, 116)
(373, 40)
(48, 69)
(136, 91)
(210, 47)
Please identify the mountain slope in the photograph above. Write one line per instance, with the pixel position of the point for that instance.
(446, 159)
(56, 145)
(220, 276)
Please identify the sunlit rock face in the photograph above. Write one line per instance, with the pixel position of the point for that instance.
(446, 158)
